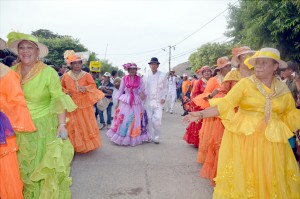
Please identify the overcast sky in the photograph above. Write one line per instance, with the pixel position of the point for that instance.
(131, 31)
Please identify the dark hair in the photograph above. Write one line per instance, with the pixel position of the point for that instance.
(56, 68)
(86, 69)
(114, 72)
(8, 60)
(293, 65)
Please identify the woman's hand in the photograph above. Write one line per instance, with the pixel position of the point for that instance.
(62, 132)
(82, 89)
(192, 117)
(216, 91)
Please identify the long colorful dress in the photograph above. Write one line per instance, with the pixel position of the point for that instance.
(191, 135)
(255, 158)
(44, 159)
(208, 124)
(14, 116)
(82, 128)
(130, 121)
(209, 168)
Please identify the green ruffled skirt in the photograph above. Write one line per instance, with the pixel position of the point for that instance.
(44, 161)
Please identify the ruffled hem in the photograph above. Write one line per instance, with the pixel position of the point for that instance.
(191, 135)
(209, 169)
(11, 185)
(126, 99)
(61, 104)
(208, 126)
(55, 168)
(83, 130)
(44, 161)
(127, 141)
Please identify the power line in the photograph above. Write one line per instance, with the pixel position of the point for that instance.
(194, 49)
(136, 53)
(204, 25)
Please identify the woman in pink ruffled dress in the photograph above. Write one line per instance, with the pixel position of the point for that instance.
(130, 119)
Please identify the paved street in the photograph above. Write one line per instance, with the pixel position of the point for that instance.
(148, 171)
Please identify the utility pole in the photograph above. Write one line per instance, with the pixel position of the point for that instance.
(105, 51)
(170, 49)
(170, 58)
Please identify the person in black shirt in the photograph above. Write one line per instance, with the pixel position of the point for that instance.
(107, 88)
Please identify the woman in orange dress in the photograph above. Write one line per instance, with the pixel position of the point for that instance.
(211, 124)
(209, 169)
(82, 127)
(14, 116)
(191, 135)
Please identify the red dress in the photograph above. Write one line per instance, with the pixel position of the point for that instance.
(191, 135)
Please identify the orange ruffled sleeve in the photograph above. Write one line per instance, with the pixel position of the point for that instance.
(94, 92)
(13, 104)
(82, 100)
(201, 100)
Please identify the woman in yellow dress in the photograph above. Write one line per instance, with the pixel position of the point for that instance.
(255, 158)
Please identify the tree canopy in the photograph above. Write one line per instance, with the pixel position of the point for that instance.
(208, 54)
(58, 44)
(267, 24)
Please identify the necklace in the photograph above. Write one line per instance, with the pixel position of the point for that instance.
(39, 66)
(268, 96)
(76, 77)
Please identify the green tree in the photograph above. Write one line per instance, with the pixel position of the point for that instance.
(208, 54)
(108, 67)
(44, 33)
(267, 24)
(57, 47)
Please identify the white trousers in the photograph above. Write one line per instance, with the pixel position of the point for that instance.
(154, 121)
(171, 98)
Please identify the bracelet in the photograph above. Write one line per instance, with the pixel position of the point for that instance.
(63, 124)
(200, 115)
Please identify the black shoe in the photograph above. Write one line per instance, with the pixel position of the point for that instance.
(184, 114)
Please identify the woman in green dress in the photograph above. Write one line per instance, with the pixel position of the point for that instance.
(45, 155)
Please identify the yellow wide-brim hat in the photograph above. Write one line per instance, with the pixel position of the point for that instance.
(271, 53)
(14, 38)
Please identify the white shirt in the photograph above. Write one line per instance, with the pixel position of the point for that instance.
(172, 83)
(156, 88)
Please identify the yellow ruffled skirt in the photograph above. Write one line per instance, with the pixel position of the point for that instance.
(253, 167)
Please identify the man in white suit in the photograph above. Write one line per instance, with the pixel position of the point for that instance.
(156, 87)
